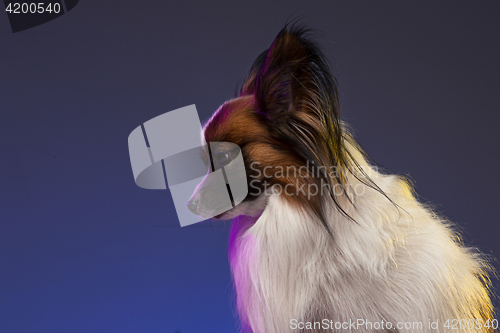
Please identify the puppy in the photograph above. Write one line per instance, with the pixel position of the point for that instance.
(323, 241)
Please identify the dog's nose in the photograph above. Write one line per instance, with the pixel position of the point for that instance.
(192, 205)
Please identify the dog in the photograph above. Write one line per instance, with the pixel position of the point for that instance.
(325, 241)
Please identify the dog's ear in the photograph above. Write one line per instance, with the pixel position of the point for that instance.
(292, 76)
(294, 89)
(296, 94)
(279, 82)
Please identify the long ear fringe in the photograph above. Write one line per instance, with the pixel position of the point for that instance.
(297, 94)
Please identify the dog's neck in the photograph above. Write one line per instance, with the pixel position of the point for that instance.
(285, 265)
(281, 261)
(394, 261)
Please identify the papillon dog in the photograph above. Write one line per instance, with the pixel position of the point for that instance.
(324, 240)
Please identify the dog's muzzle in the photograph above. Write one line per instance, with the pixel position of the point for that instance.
(167, 150)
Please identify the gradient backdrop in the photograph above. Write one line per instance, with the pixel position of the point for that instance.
(83, 249)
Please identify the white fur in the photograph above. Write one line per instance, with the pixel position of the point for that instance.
(395, 264)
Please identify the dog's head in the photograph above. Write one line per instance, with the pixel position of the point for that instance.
(286, 121)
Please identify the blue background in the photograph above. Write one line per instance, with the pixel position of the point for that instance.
(83, 249)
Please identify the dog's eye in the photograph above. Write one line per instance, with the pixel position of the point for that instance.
(222, 158)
